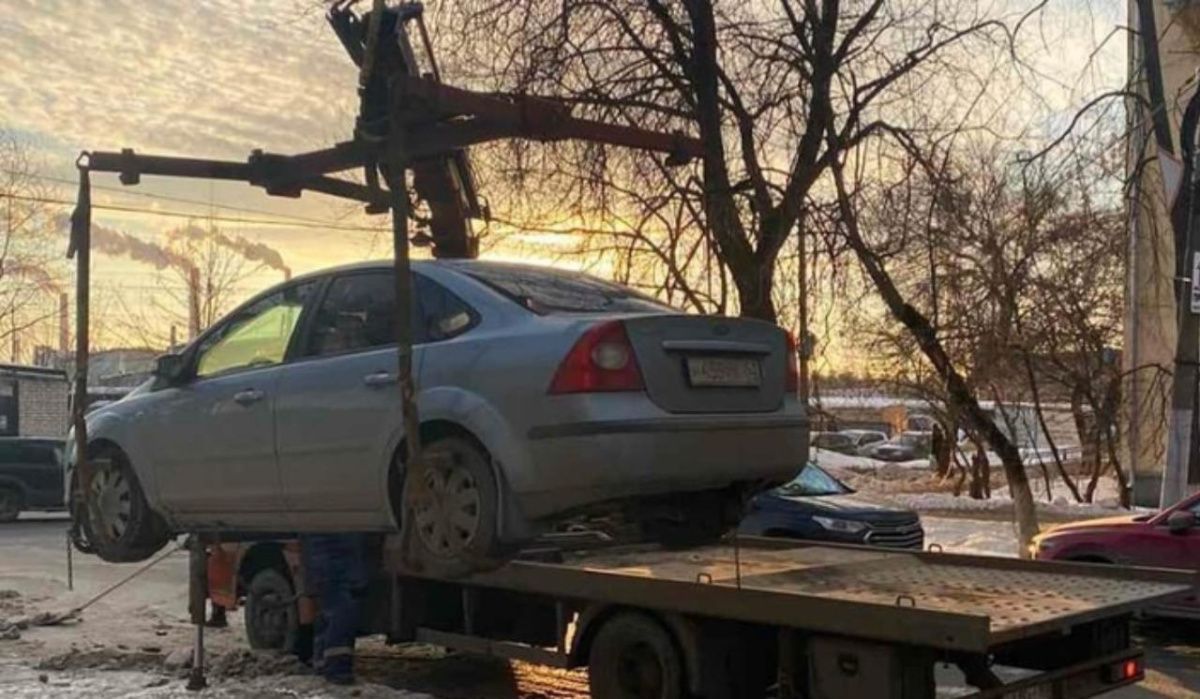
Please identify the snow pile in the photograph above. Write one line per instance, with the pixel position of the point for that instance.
(973, 536)
(1060, 504)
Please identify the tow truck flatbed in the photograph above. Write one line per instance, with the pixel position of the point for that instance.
(950, 602)
(756, 617)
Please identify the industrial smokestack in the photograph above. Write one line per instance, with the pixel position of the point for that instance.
(193, 303)
(64, 328)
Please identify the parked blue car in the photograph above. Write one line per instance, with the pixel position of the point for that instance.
(815, 505)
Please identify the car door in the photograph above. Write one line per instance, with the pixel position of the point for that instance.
(43, 459)
(339, 404)
(212, 434)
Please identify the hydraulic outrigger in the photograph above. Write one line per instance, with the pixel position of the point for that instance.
(408, 122)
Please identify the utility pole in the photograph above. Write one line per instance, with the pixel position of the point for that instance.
(1183, 447)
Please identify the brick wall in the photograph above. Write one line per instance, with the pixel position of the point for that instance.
(42, 406)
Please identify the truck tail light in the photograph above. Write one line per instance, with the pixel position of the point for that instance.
(601, 360)
(1124, 671)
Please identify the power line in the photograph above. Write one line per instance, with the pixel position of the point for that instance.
(190, 216)
(180, 200)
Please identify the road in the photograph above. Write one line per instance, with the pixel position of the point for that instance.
(152, 607)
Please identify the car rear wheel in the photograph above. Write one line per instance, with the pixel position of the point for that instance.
(121, 527)
(451, 503)
(11, 503)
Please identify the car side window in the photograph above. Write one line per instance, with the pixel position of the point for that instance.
(258, 335)
(443, 314)
(357, 313)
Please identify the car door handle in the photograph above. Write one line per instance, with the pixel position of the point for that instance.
(380, 378)
(248, 396)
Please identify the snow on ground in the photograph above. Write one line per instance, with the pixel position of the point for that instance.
(133, 642)
(987, 537)
(912, 484)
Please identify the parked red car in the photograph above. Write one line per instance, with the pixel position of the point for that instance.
(1166, 539)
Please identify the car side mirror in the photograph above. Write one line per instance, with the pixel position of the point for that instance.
(1181, 522)
(168, 367)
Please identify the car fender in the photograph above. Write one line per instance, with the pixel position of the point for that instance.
(1064, 551)
(477, 416)
(111, 426)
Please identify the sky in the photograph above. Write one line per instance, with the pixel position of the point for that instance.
(218, 78)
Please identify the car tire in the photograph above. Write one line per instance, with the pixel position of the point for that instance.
(79, 531)
(11, 503)
(271, 616)
(450, 510)
(120, 526)
(633, 657)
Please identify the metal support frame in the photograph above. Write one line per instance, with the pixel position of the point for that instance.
(197, 603)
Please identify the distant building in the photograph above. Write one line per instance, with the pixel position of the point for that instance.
(111, 373)
(33, 401)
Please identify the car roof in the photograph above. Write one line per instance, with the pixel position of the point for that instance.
(458, 265)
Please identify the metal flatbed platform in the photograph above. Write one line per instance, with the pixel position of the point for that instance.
(934, 600)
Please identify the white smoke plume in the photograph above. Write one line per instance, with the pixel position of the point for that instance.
(113, 242)
(39, 276)
(253, 251)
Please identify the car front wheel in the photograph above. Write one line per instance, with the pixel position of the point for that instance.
(121, 527)
(10, 504)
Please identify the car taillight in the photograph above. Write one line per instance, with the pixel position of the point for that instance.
(792, 384)
(602, 359)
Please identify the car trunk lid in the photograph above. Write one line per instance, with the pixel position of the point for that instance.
(706, 364)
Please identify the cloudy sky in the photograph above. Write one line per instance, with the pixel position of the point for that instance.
(217, 78)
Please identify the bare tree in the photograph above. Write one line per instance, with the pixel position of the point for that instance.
(201, 277)
(30, 271)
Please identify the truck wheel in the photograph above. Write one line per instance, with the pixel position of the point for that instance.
(272, 620)
(10, 504)
(633, 657)
(452, 506)
(122, 527)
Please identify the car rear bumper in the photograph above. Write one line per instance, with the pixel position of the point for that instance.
(578, 463)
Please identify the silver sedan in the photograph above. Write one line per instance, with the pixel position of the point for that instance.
(543, 394)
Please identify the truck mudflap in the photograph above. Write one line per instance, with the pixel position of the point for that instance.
(1084, 679)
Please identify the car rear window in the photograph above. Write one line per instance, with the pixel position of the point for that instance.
(545, 290)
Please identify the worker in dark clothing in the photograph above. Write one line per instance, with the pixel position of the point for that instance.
(336, 575)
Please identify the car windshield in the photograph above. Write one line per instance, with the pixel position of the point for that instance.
(545, 291)
(813, 481)
(912, 440)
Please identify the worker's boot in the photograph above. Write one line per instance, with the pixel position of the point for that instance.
(217, 619)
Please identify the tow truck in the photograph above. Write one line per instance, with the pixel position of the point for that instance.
(742, 617)
(746, 617)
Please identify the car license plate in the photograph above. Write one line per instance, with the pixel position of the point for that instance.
(724, 371)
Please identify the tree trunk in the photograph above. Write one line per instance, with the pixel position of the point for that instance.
(754, 295)
(961, 398)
